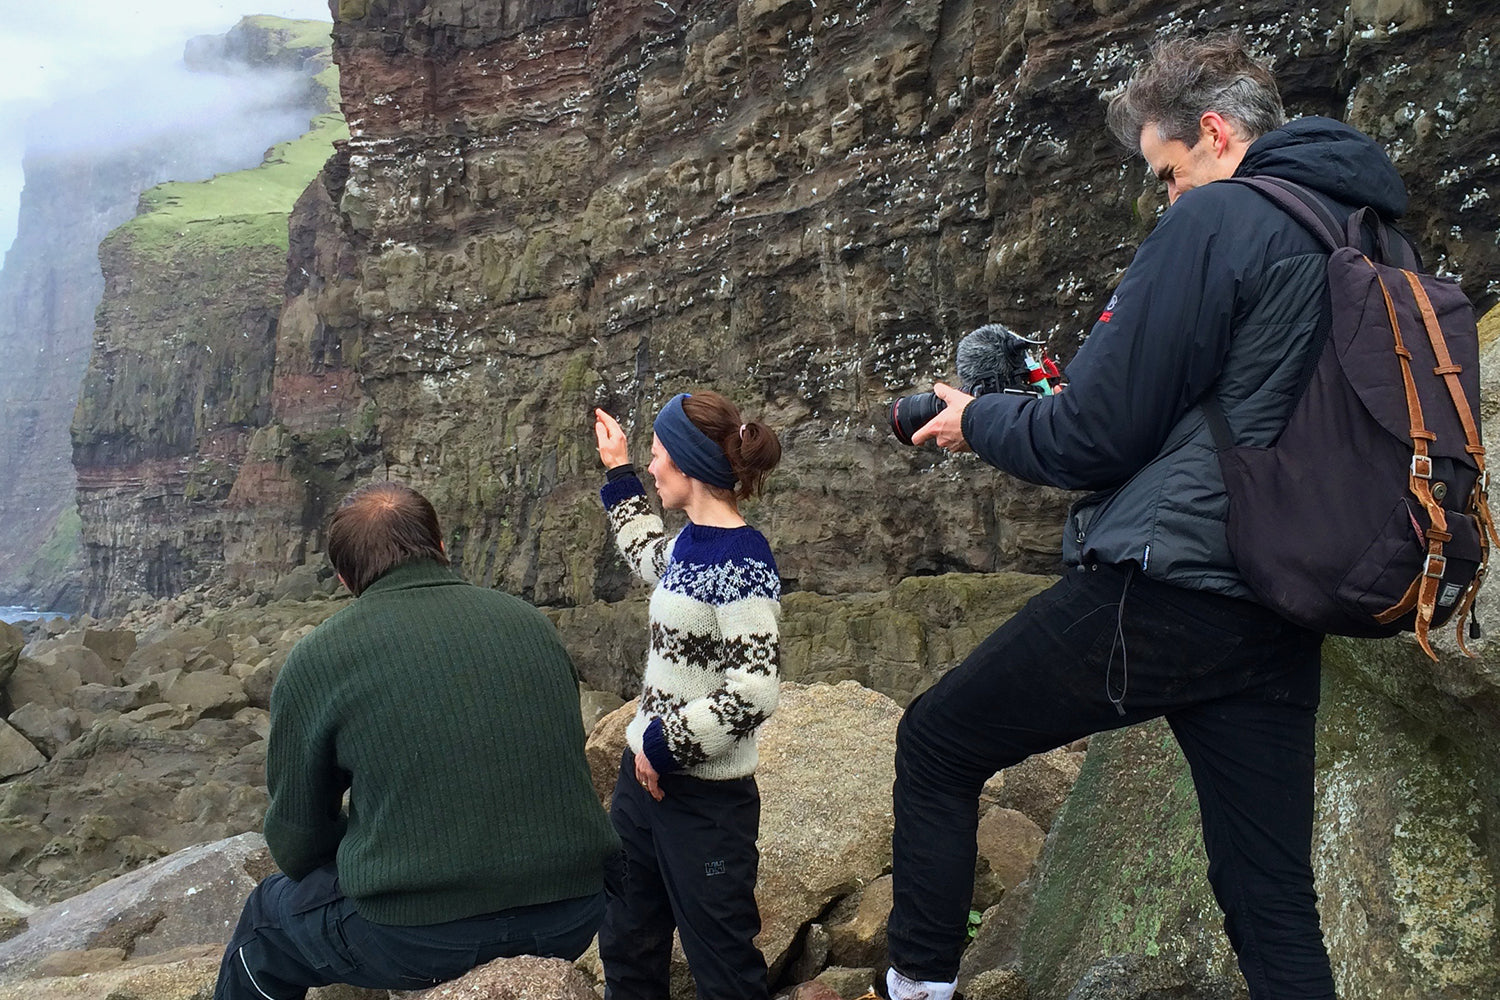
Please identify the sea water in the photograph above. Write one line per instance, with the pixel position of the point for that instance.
(14, 614)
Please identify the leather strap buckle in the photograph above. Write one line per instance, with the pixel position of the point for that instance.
(1421, 466)
(1436, 564)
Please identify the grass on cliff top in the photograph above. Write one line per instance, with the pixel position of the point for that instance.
(243, 209)
(304, 36)
(294, 34)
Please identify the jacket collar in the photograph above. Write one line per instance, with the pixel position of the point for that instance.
(409, 575)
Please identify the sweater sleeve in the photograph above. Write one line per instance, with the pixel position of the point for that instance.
(305, 820)
(750, 652)
(639, 532)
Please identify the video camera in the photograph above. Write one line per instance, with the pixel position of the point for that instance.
(990, 359)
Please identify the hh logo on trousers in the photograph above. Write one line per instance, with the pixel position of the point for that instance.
(713, 868)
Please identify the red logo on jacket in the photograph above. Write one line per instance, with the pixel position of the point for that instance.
(1109, 310)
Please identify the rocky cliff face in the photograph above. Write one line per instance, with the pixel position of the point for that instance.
(180, 377)
(552, 207)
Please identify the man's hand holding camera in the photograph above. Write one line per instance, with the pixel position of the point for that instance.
(990, 359)
(947, 428)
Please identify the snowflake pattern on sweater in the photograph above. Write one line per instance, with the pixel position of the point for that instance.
(713, 668)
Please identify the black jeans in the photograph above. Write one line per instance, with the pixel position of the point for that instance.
(294, 935)
(1239, 687)
(689, 862)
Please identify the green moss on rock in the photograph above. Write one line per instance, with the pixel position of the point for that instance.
(1125, 873)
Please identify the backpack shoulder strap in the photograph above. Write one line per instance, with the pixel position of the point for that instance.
(1391, 245)
(1302, 205)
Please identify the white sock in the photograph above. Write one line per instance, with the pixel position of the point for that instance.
(901, 988)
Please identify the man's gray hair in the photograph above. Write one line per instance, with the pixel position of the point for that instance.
(1187, 77)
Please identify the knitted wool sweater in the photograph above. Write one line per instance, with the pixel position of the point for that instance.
(449, 714)
(712, 669)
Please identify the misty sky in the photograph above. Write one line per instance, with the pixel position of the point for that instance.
(65, 51)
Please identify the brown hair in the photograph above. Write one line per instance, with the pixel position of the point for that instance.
(377, 528)
(1187, 77)
(752, 448)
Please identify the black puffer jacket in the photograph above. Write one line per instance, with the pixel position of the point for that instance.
(1227, 295)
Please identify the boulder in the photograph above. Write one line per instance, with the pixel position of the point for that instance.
(847, 982)
(827, 761)
(1401, 854)
(114, 646)
(524, 978)
(156, 658)
(605, 745)
(1038, 786)
(1008, 984)
(35, 682)
(17, 755)
(1138, 977)
(183, 974)
(258, 680)
(211, 694)
(188, 648)
(12, 641)
(1124, 872)
(595, 705)
(996, 944)
(190, 899)
(300, 584)
(69, 660)
(1009, 845)
(811, 955)
(856, 927)
(97, 699)
(123, 794)
(813, 990)
(49, 730)
(13, 913)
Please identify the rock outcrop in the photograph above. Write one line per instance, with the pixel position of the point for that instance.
(188, 900)
(1403, 854)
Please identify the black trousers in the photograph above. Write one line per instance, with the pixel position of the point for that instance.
(1239, 687)
(689, 862)
(294, 935)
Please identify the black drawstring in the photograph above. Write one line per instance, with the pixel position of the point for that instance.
(1119, 643)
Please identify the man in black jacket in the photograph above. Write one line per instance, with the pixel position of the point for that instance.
(1226, 296)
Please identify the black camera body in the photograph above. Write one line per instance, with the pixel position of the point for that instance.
(990, 359)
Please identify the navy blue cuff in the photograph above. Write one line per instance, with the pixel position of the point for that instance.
(621, 488)
(619, 472)
(985, 408)
(654, 746)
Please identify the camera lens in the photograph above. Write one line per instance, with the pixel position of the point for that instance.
(909, 413)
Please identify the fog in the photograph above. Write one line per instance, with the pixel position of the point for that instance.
(101, 75)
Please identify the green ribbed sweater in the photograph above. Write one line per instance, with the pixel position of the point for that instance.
(450, 714)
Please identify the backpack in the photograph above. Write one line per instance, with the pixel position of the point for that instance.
(1369, 514)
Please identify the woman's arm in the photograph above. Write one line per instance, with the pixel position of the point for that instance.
(639, 533)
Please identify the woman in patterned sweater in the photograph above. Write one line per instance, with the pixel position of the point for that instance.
(686, 805)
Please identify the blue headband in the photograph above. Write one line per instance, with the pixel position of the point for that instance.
(695, 452)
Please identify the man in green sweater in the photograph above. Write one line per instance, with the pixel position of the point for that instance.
(449, 716)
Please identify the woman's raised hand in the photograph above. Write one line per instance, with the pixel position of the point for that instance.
(613, 450)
